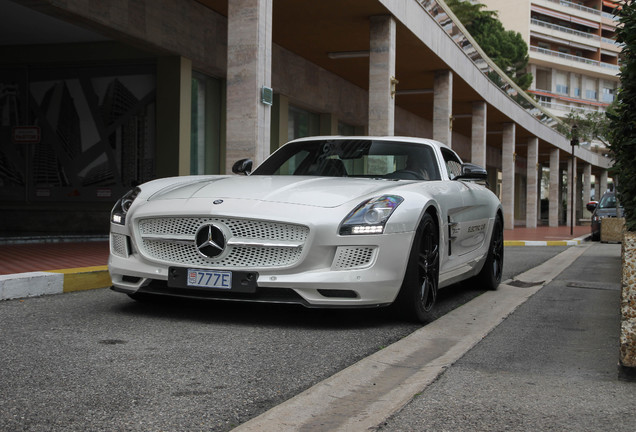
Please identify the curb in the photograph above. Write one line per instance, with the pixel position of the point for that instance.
(573, 242)
(33, 284)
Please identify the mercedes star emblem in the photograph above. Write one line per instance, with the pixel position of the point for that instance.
(210, 241)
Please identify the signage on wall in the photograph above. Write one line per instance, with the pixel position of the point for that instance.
(26, 134)
(267, 96)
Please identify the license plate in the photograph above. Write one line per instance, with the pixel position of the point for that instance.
(209, 279)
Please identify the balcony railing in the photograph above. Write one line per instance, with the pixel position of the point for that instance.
(576, 6)
(609, 15)
(568, 108)
(565, 29)
(574, 58)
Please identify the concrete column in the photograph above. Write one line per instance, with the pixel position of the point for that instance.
(603, 187)
(571, 191)
(443, 106)
(478, 134)
(249, 69)
(382, 75)
(532, 169)
(508, 175)
(174, 116)
(587, 183)
(553, 217)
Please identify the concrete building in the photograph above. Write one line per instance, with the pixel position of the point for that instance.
(140, 90)
(573, 53)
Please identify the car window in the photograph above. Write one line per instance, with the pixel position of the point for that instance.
(353, 158)
(453, 164)
(608, 201)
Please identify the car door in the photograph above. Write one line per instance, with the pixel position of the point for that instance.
(468, 222)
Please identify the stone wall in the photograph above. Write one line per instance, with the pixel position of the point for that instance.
(628, 301)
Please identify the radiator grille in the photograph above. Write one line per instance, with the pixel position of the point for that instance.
(184, 251)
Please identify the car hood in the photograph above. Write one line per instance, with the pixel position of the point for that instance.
(311, 191)
(603, 212)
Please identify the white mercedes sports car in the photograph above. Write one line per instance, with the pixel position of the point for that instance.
(323, 222)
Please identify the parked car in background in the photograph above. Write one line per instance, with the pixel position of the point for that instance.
(606, 207)
(323, 222)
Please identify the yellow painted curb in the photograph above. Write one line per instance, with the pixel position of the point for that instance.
(85, 278)
(574, 242)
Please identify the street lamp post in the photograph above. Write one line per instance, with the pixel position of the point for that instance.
(573, 142)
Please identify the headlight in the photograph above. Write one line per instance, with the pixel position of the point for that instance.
(371, 216)
(118, 214)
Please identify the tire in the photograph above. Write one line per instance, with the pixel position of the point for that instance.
(419, 289)
(490, 275)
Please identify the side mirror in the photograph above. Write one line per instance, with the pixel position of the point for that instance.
(243, 166)
(472, 172)
(591, 206)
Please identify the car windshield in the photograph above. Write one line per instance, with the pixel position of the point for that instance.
(353, 158)
(608, 201)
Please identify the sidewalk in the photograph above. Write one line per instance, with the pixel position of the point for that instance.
(552, 365)
(33, 269)
(28, 269)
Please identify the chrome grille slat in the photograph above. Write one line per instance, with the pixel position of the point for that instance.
(252, 244)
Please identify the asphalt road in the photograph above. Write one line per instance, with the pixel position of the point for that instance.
(96, 360)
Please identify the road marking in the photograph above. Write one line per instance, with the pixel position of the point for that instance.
(365, 394)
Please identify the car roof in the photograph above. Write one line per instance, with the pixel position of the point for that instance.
(404, 139)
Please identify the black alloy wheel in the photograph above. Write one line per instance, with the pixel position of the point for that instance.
(491, 274)
(419, 289)
(428, 266)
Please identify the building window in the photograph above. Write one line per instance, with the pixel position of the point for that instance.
(205, 129)
(608, 95)
(302, 123)
(543, 80)
(590, 94)
(562, 83)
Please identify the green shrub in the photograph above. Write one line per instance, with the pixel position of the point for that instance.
(622, 136)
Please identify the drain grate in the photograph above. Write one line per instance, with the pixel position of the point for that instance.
(522, 284)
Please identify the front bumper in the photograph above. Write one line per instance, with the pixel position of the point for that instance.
(334, 271)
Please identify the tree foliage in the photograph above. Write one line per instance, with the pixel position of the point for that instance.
(505, 47)
(623, 120)
(591, 125)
